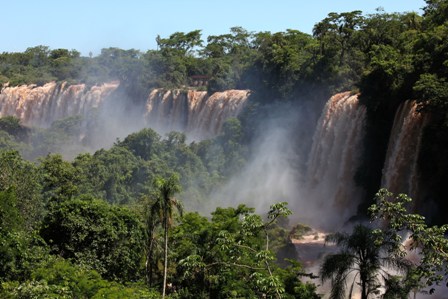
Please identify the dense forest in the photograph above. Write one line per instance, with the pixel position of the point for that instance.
(113, 223)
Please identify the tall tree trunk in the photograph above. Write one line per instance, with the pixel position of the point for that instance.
(363, 289)
(148, 263)
(165, 268)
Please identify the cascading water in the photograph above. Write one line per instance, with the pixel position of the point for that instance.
(400, 167)
(41, 105)
(334, 159)
(194, 112)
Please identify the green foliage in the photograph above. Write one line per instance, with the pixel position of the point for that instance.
(406, 60)
(231, 143)
(433, 92)
(38, 142)
(20, 252)
(180, 42)
(389, 57)
(116, 291)
(364, 255)
(435, 11)
(230, 256)
(339, 43)
(66, 279)
(95, 241)
(144, 144)
(161, 212)
(10, 217)
(21, 210)
(111, 174)
(20, 180)
(299, 230)
(58, 278)
(121, 174)
(176, 57)
(96, 235)
(8, 142)
(429, 242)
(59, 179)
(12, 126)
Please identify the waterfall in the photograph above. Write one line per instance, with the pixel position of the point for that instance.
(400, 167)
(335, 157)
(194, 112)
(41, 105)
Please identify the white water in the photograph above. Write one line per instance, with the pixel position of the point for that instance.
(328, 187)
(334, 159)
(39, 106)
(324, 195)
(400, 173)
(194, 112)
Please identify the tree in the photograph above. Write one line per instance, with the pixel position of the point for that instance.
(11, 125)
(360, 259)
(339, 29)
(163, 208)
(253, 223)
(233, 256)
(339, 60)
(218, 46)
(99, 236)
(55, 277)
(229, 148)
(144, 144)
(21, 211)
(429, 242)
(432, 92)
(436, 11)
(113, 174)
(59, 178)
(10, 217)
(37, 56)
(20, 179)
(177, 57)
(180, 43)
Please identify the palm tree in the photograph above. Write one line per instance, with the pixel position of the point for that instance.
(360, 260)
(163, 208)
(151, 245)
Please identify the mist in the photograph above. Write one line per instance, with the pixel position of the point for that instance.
(272, 173)
(71, 119)
(301, 153)
(305, 153)
(306, 157)
(117, 117)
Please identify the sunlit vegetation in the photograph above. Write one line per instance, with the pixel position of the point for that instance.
(61, 237)
(108, 224)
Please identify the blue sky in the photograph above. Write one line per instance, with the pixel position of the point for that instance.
(90, 25)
